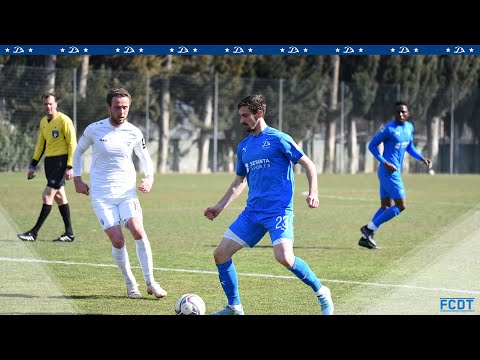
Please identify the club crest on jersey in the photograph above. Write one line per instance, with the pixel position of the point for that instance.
(265, 145)
(55, 134)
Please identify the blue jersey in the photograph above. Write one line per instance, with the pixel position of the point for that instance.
(396, 138)
(266, 161)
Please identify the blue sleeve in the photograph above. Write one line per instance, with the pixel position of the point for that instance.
(412, 150)
(241, 169)
(290, 148)
(377, 140)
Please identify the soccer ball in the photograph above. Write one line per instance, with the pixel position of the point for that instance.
(190, 304)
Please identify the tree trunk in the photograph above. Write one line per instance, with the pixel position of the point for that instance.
(331, 125)
(50, 65)
(434, 138)
(353, 150)
(82, 83)
(330, 146)
(204, 141)
(166, 100)
(230, 160)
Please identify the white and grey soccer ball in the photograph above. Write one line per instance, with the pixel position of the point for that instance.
(190, 304)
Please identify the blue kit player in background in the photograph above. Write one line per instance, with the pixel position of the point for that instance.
(264, 162)
(397, 137)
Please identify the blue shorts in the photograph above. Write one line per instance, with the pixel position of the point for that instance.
(249, 228)
(391, 185)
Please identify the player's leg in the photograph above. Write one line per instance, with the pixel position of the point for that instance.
(48, 195)
(283, 250)
(370, 228)
(394, 189)
(391, 187)
(385, 203)
(58, 174)
(131, 213)
(47, 199)
(64, 208)
(366, 240)
(281, 233)
(55, 167)
(227, 274)
(120, 255)
(244, 231)
(109, 217)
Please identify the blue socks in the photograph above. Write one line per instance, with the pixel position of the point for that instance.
(386, 215)
(227, 273)
(377, 214)
(301, 270)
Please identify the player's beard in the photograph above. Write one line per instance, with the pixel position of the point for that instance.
(252, 128)
(117, 121)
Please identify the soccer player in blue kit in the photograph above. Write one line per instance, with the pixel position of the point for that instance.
(264, 162)
(397, 137)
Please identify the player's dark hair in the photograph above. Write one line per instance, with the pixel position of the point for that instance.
(47, 95)
(401, 102)
(117, 92)
(254, 103)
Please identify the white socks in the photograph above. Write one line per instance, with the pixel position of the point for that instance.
(121, 258)
(144, 254)
(321, 291)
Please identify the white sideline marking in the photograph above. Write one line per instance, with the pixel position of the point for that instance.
(463, 291)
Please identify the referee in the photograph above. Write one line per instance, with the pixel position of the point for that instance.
(57, 140)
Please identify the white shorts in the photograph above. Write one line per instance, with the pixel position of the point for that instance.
(111, 212)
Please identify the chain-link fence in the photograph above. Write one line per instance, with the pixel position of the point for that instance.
(191, 123)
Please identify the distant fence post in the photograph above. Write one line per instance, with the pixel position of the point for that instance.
(452, 133)
(215, 124)
(280, 104)
(147, 101)
(74, 100)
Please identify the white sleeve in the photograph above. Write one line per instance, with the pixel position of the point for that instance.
(143, 155)
(82, 146)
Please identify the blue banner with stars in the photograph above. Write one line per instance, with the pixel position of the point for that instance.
(239, 50)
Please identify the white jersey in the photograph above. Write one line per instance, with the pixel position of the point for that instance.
(112, 174)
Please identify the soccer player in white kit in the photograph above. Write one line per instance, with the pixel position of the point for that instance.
(113, 186)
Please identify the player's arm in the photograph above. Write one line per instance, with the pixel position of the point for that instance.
(375, 142)
(37, 154)
(70, 140)
(146, 164)
(233, 192)
(412, 150)
(380, 137)
(82, 146)
(311, 172)
(80, 186)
